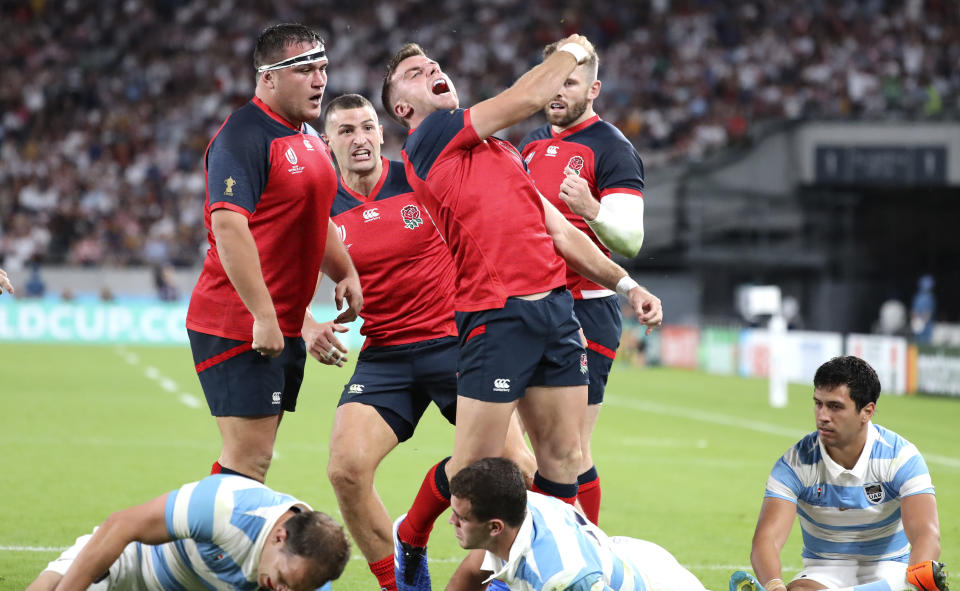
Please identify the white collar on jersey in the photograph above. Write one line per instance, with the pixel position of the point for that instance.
(859, 470)
(521, 544)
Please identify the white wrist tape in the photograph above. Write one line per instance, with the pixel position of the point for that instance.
(625, 284)
(577, 51)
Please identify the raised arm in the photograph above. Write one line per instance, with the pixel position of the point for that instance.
(585, 258)
(531, 91)
(241, 261)
(773, 528)
(144, 523)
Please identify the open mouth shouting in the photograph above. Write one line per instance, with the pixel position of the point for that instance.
(440, 86)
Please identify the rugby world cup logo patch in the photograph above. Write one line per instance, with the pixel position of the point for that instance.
(411, 217)
(291, 156)
(583, 364)
(874, 493)
(576, 163)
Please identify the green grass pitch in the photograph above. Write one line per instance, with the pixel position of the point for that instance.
(683, 456)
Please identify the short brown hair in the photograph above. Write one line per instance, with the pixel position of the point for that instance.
(495, 488)
(321, 540)
(590, 66)
(408, 50)
(344, 102)
(275, 38)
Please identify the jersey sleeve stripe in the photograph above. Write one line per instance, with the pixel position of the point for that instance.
(231, 207)
(177, 520)
(785, 474)
(625, 190)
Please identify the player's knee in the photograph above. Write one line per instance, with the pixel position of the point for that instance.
(347, 476)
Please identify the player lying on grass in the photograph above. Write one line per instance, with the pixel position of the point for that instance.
(530, 542)
(223, 532)
(863, 495)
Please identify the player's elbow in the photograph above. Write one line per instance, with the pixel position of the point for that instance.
(630, 245)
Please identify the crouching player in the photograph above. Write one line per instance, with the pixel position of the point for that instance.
(863, 495)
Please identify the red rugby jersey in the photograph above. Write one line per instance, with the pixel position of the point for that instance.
(486, 208)
(602, 155)
(406, 271)
(282, 178)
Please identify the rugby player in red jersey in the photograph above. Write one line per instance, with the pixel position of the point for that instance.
(594, 176)
(520, 344)
(409, 357)
(270, 183)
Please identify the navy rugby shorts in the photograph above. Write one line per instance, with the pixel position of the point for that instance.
(238, 381)
(602, 324)
(400, 381)
(525, 343)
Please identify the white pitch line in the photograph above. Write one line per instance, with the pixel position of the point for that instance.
(164, 382)
(739, 423)
(31, 549)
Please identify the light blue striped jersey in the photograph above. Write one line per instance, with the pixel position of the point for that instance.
(852, 514)
(219, 526)
(557, 549)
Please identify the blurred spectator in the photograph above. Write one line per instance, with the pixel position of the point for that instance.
(35, 287)
(165, 280)
(106, 108)
(923, 309)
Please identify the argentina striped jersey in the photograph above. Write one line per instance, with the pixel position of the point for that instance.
(219, 526)
(852, 514)
(557, 549)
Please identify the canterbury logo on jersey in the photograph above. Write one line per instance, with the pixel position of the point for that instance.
(501, 385)
(371, 214)
(356, 388)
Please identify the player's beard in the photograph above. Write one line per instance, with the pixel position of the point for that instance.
(573, 112)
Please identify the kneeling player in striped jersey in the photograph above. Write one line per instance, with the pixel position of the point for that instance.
(530, 542)
(863, 495)
(223, 532)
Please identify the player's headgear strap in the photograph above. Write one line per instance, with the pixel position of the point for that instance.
(314, 54)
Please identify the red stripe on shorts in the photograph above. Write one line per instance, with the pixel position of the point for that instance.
(475, 332)
(605, 351)
(228, 354)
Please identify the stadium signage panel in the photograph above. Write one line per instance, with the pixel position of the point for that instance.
(886, 354)
(93, 322)
(881, 165)
(125, 322)
(938, 371)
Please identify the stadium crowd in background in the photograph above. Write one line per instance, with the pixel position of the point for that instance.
(103, 126)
